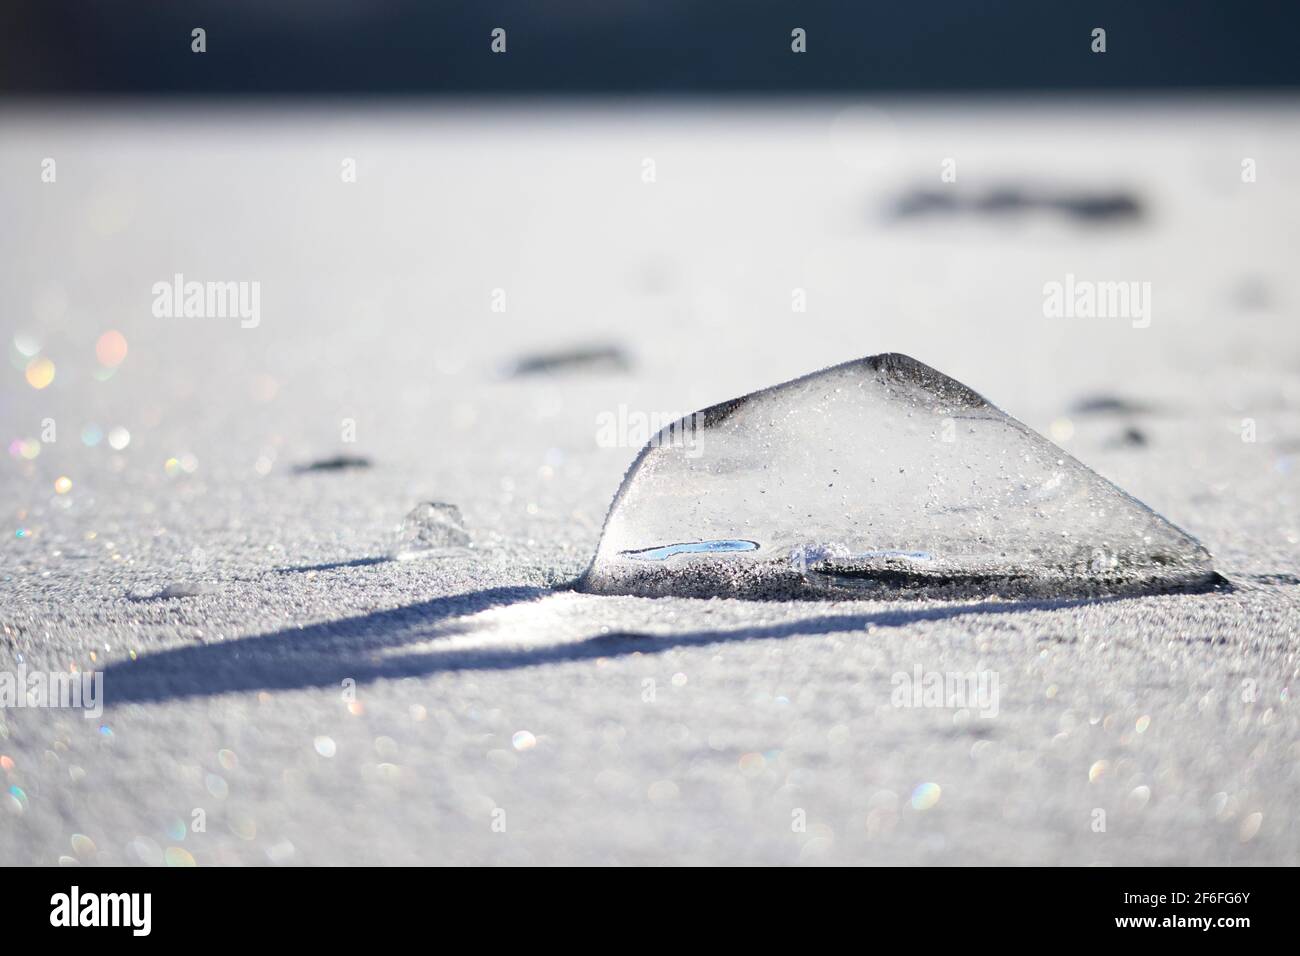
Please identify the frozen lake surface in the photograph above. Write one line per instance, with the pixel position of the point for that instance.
(266, 664)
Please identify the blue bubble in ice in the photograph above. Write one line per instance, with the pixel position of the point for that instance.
(690, 547)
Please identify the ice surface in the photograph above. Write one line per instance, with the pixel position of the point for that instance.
(790, 687)
(879, 477)
(431, 529)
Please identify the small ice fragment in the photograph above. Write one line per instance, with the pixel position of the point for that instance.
(880, 477)
(431, 529)
(1110, 405)
(598, 358)
(1131, 437)
(1006, 200)
(337, 463)
(177, 589)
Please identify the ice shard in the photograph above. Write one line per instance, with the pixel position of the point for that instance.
(431, 529)
(880, 477)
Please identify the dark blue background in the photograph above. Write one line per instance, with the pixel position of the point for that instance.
(642, 46)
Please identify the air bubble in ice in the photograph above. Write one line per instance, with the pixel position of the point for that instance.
(691, 547)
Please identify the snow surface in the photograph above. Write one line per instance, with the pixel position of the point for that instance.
(229, 598)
